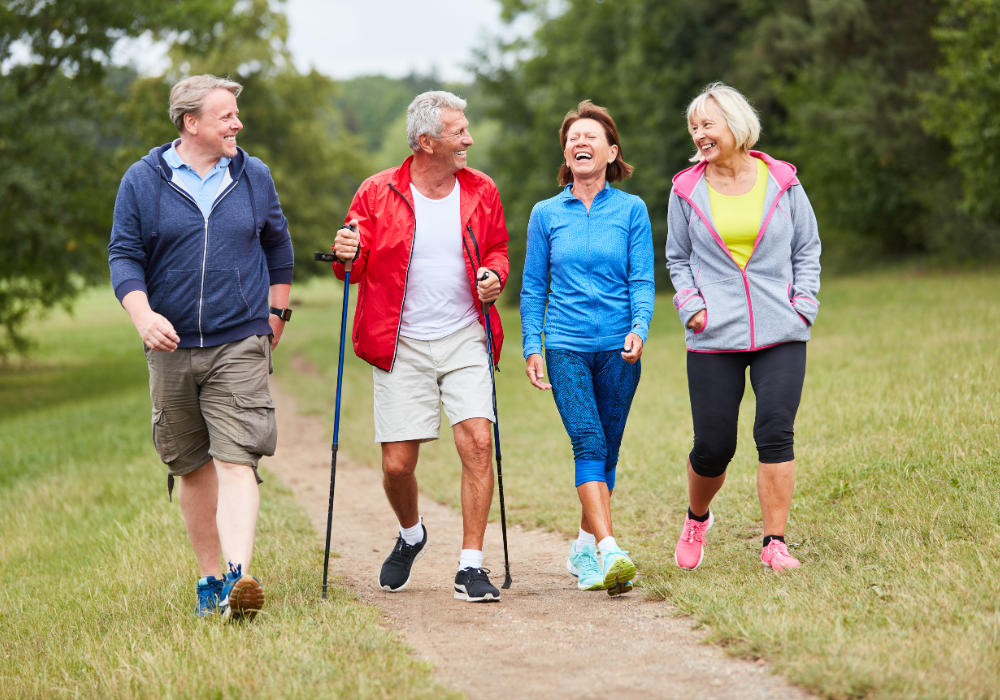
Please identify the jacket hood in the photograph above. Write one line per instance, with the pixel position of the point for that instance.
(784, 173)
(155, 159)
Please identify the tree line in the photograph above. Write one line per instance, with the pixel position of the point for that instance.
(889, 108)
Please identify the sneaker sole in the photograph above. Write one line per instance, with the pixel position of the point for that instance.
(488, 598)
(572, 569)
(711, 522)
(599, 586)
(619, 575)
(406, 583)
(768, 567)
(620, 589)
(245, 599)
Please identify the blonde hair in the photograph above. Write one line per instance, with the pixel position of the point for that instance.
(188, 96)
(739, 114)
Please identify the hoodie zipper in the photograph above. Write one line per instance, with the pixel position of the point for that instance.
(406, 274)
(204, 258)
(743, 272)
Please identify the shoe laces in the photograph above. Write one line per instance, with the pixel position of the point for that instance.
(479, 574)
(402, 550)
(777, 548)
(694, 531)
(586, 561)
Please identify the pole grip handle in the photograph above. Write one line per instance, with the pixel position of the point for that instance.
(350, 263)
(487, 305)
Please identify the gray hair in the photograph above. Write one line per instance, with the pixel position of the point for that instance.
(188, 96)
(423, 116)
(739, 114)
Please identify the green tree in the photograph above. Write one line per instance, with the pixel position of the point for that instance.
(57, 121)
(966, 111)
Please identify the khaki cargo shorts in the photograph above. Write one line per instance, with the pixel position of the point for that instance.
(212, 402)
(454, 371)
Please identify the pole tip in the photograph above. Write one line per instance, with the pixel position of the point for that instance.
(507, 580)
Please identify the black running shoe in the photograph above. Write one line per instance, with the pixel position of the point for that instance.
(395, 573)
(474, 586)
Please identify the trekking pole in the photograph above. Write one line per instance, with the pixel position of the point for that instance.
(496, 439)
(329, 257)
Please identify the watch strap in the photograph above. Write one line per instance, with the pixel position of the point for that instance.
(283, 314)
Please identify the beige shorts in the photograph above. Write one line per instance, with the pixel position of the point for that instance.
(212, 402)
(453, 371)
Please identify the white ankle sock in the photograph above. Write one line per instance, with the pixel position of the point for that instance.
(584, 538)
(470, 559)
(608, 544)
(413, 535)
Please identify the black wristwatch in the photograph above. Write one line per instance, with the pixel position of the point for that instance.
(283, 314)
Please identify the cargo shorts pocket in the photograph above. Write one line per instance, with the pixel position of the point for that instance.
(257, 430)
(163, 436)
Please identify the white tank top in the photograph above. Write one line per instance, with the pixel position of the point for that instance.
(439, 299)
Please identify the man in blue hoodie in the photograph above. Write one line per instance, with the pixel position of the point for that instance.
(197, 246)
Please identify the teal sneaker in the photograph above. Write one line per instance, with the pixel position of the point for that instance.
(588, 571)
(618, 572)
(209, 591)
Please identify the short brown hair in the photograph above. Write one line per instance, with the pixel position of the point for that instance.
(616, 170)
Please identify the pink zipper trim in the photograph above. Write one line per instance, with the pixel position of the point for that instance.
(718, 239)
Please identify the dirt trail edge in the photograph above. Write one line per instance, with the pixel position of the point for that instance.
(544, 638)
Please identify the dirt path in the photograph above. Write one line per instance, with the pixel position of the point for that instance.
(545, 638)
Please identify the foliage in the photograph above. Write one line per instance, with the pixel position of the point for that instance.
(56, 124)
(839, 85)
(967, 111)
(70, 126)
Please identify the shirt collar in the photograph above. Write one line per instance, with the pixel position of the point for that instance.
(174, 160)
(567, 192)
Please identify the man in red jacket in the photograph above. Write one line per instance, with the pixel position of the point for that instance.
(427, 233)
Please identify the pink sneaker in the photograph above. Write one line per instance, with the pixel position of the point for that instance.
(776, 557)
(691, 546)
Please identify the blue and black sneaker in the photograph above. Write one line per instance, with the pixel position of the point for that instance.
(209, 591)
(242, 595)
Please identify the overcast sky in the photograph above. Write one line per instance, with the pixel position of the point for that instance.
(345, 38)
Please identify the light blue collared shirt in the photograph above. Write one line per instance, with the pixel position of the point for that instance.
(203, 191)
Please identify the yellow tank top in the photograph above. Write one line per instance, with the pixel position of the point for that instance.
(737, 219)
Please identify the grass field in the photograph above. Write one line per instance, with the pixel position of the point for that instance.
(895, 516)
(97, 577)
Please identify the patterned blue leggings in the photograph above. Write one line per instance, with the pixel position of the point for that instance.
(593, 392)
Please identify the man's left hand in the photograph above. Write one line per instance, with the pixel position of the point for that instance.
(489, 289)
(277, 326)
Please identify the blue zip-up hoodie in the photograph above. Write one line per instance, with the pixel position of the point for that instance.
(601, 268)
(208, 277)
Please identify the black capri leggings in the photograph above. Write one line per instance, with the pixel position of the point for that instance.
(716, 382)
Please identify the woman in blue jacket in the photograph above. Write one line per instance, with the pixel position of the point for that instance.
(596, 244)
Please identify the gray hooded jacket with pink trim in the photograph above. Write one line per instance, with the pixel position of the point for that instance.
(773, 300)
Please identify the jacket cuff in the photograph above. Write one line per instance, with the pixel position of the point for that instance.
(641, 329)
(532, 348)
(806, 308)
(130, 286)
(281, 275)
(688, 302)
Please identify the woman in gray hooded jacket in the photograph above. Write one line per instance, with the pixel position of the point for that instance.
(743, 253)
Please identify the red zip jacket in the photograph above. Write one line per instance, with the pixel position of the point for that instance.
(383, 207)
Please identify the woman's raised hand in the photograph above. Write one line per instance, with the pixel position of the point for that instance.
(697, 321)
(536, 371)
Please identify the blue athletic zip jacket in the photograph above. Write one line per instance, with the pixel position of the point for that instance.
(601, 268)
(208, 276)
